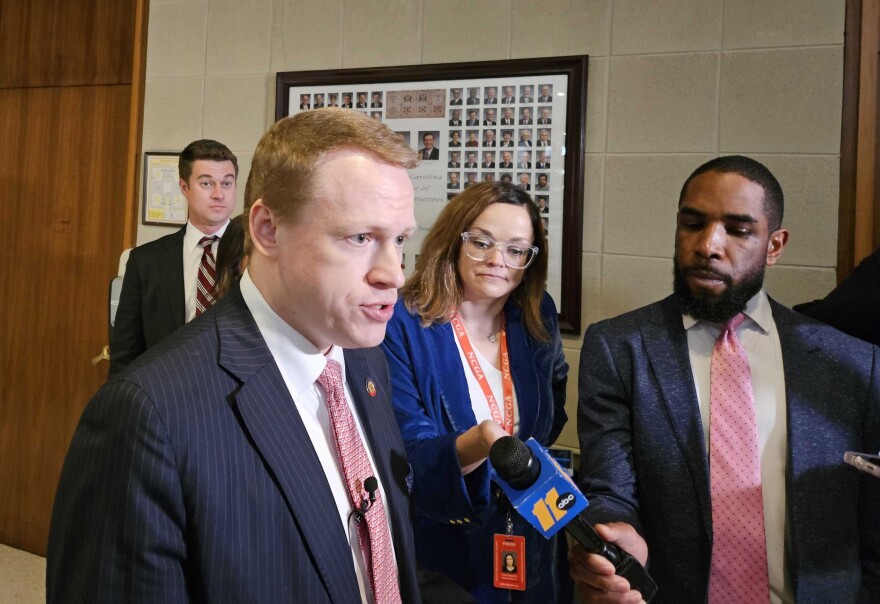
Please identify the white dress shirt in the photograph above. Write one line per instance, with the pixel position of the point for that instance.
(300, 364)
(192, 258)
(760, 339)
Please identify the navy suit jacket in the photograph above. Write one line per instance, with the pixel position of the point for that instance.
(644, 455)
(152, 303)
(191, 478)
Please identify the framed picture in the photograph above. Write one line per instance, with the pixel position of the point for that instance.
(164, 204)
(521, 121)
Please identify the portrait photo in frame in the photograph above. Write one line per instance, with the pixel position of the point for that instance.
(163, 202)
(521, 120)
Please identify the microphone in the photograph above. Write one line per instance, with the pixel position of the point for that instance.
(371, 486)
(542, 493)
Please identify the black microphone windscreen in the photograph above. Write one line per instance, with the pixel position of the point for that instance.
(371, 485)
(514, 462)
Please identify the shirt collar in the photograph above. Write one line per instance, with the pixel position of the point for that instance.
(193, 235)
(757, 310)
(300, 361)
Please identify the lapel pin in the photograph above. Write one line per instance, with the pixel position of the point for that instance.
(371, 388)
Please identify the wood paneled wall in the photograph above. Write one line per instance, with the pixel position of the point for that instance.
(66, 112)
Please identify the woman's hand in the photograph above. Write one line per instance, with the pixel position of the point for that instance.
(473, 446)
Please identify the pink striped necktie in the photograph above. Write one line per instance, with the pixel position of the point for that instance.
(207, 276)
(374, 535)
(739, 548)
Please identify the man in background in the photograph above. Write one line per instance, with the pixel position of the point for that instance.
(233, 461)
(713, 423)
(169, 281)
(429, 151)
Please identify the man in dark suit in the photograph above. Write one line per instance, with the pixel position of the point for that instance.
(454, 160)
(304, 102)
(491, 96)
(210, 470)
(319, 101)
(376, 102)
(161, 282)
(473, 118)
(489, 138)
(545, 118)
(471, 160)
(525, 117)
(346, 101)
(488, 160)
(490, 118)
(806, 392)
(508, 98)
(362, 100)
(456, 97)
(506, 161)
(429, 151)
(543, 139)
(508, 119)
(543, 162)
(456, 118)
(526, 96)
(473, 96)
(853, 306)
(545, 94)
(453, 183)
(525, 161)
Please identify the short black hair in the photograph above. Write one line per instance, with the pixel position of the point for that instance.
(205, 149)
(754, 171)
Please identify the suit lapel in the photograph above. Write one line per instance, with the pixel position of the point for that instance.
(367, 375)
(171, 280)
(665, 342)
(270, 417)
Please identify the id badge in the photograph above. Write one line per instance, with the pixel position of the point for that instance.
(509, 562)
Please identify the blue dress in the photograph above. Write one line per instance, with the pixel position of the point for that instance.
(457, 516)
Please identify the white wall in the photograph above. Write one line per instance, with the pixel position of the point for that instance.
(672, 83)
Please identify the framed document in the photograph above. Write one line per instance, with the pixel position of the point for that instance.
(520, 121)
(163, 203)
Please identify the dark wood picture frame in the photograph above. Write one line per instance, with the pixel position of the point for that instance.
(574, 68)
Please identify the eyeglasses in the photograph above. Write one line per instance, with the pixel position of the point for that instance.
(515, 255)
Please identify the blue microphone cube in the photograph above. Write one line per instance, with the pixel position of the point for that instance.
(552, 501)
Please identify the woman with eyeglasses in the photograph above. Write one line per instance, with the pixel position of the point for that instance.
(475, 354)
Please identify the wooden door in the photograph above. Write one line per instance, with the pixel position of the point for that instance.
(66, 165)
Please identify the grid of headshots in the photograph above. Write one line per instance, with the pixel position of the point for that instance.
(492, 133)
(502, 133)
(368, 102)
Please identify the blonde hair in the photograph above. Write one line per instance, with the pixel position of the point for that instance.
(434, 290)
(283, 167)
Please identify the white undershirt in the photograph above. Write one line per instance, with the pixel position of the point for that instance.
(192, 257)
(493, 378)
(760, 339)
(300, 364)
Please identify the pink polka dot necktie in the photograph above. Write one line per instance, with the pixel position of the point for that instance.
(374, 535)
(207, 276)
(739, 549)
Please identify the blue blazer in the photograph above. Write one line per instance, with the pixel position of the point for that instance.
(643, 453)
(456, 515)
(191, 478)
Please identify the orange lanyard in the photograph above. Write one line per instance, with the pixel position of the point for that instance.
(506, 381)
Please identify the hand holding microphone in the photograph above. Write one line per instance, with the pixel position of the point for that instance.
(547, 498)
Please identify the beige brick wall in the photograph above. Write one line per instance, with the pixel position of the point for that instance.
(672, 83)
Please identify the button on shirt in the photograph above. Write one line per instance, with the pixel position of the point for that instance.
(300, 364)
(192, 257)
(759, 337)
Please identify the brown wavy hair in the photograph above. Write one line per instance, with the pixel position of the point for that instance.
(434, 290)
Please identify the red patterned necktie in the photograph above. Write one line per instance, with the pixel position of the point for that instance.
(207, 276)
(373, 532)
(739, 548)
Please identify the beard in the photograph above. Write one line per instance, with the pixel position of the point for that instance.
(721, 308)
